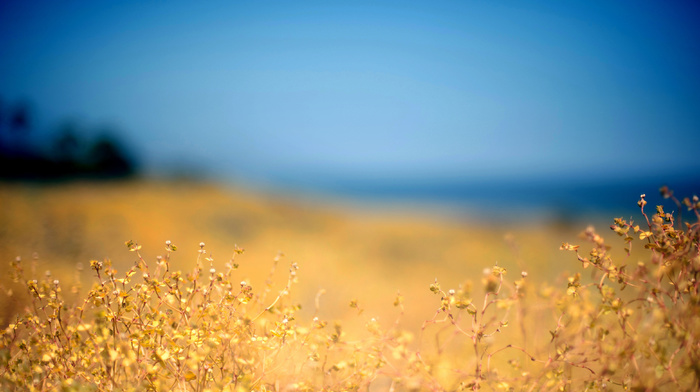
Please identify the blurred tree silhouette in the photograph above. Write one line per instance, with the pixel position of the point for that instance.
(69, 155)
(19, 120)
(107, 158)
(66, 146)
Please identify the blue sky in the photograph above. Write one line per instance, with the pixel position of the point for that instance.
(369, 88)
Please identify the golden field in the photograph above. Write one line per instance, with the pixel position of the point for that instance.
(352, 254)
(375, 299)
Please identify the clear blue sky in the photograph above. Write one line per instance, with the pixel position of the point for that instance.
(369, 88)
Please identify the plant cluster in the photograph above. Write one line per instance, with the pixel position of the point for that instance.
(635, 323)
(628, 325)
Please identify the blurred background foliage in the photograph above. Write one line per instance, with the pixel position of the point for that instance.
(30, 153)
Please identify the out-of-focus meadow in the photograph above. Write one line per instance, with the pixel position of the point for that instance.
(374, 274)
(367, 255)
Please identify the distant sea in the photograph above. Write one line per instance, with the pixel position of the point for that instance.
(501, 200)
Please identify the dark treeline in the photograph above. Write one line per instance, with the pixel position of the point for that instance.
(27, 153)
